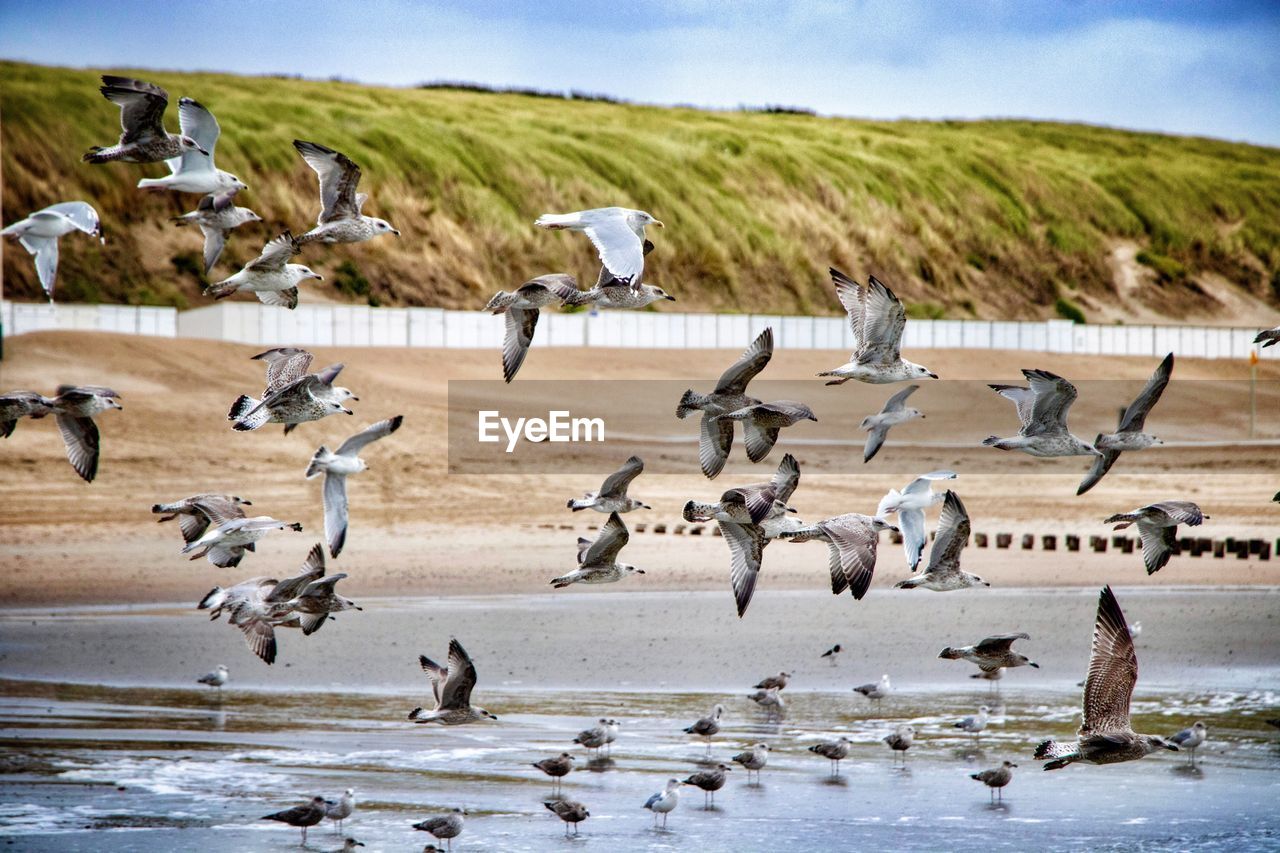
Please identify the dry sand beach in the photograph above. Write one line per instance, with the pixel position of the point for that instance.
(108, 743)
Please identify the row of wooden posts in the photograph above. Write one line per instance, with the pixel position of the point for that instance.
(1194, 546)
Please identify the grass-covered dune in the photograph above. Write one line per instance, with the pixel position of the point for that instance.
(993, 219)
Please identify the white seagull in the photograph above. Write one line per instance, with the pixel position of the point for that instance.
(616, 232)
(193, 170)
(909, 505)
(877, 318)
(39, 234)
(336, 467)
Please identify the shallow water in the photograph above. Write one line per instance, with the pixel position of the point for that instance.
(130, 768)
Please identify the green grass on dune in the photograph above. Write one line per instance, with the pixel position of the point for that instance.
(991, 219)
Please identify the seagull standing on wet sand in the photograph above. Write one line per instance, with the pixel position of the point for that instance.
(569, 811)
(1158, 528)
(996, 778)
(909, 505)
(730, 395)
(445, 828)
(301, 816)
(771, 701)
(73, 411)
(612, 496)
(616, 232)
(336, 467)
(943, 573)
(1106, 735)
(878, 319)
(452, 687)
(39, 234)
(217, 678)
(900, 741)
(834, 751)
(557, 768)
(1129, 436)
(754, 759)
(595, 737)
(664, 802)
(774, 682)
(707, 727)
(341, 219)
(1191, 739)
(340, 809)
(895, 412)
(709, 781)
(1042, 409)
(976, 724)
(876, 690)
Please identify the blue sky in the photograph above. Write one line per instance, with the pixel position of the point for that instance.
(1209, 68)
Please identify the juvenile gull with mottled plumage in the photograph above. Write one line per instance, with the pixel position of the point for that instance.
(341, 219)
(1106, 735)
(878, 320)
(943, 573)
(143, 138)
(1129, 436)
(729, 395)
(598, 559)
(1158, 528)
(217, 216)
(1042, 409)
(452, 686)
(612, 496)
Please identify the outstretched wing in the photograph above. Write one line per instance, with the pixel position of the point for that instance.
(275, 254)
(141, 104)
(604, 550)
(284, 365)
(746, 548)
(1101, 465)
(80, 435)
(339, 177)
(753, 360)
(520, 325)
(1135, 416)
(615, 485)
(855, 540)
(715, 440)
(999, 644)
(369, 434)
(456, 691)
(335, 511)
(1054, 396)
(953, 535)
(1113, 670)
(898, 401)
(198, 123)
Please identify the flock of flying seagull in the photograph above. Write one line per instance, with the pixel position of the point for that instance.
(749, 517)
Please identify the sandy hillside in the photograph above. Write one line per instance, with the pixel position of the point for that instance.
(417, 529)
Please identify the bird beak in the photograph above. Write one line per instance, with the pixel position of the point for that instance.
(348, 411)
(933, 376)
(671, 298)
(395, 232)
(639, 571)
(1013, 765)
(353, 397)
(202, 151)
(659, 223)
(1171, 747)
(317, 277)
